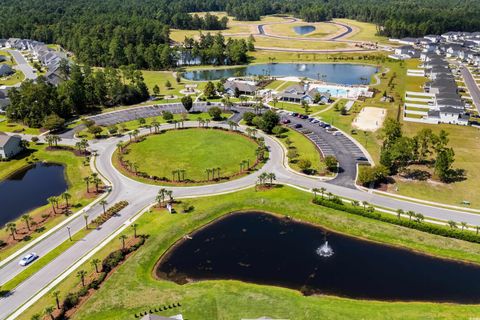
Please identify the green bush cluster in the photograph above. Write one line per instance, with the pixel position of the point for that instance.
(337, 204)
(113, 210)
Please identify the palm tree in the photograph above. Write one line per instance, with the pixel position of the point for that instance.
(218, 172)
(271, 176)
(53, 201)
(207, 121)
(410, 214)
(103, 203)
(66, 196)
(254, 132)
(315, 191)
(123, 238)
(419, 217)
(400, 212)
(56, 295)
(36, 316)
(49, 312)
(322, 191)
(81, 275)
(452, 224)
(365, 204)
(87, 182)
(27, 218)
(95, 263)
(330, 195)
(208, 171)
(477, 228)
(249, 131)
(134, 227)
(120, 146)
(169, 194)
(355, 203)
(12, 227)
(463, 225)
(135, 133)
(161, 196)
(85, 216)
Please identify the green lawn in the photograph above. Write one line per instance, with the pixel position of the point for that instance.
(193, 150)
(306, 150)
(366, 31)
(7, 126)
(75, 171)
(297, 107)
(132, 288)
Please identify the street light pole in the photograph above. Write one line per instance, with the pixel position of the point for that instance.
(69, 234)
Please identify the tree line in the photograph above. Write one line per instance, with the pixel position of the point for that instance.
(40, 104)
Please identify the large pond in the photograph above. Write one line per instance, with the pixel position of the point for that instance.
(348, 74)
(30, 188)
(260, 248)
(301, 30)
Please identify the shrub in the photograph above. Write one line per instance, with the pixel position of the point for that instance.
(70, 301)
(248, 117)
(368, 175)
(215, 113)
(412, 224)
(331, 163)
(112, 260)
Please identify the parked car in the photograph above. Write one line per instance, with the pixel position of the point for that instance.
(337, 133)
(315, 121)
(29, 258)
(303, 116)
(298, 125)
(294, 114)
(286, 121)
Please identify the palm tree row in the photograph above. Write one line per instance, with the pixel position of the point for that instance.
(133, 166)
(82, 146)
(244, 165)
(233, 125)
(203, 123)
(179, 173)
(93, 178)
(52, 139)
(213, 172)
(162, 195)
(251, 132)
(266, 177)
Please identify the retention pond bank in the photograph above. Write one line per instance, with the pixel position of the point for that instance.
(261, 248)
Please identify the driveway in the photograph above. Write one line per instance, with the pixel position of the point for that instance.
(23, 65)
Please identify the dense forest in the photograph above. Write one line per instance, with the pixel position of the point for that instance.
(40, 104)
(123, 32)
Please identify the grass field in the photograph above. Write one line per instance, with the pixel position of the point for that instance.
(75, 172)
(297, 107)
(133, 289)
(366, 31)
(193, 150)
(7, 126)
(306, 150)
(323, 30)
(267, 42)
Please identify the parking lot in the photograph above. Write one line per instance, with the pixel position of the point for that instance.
(331, 142)
(107, 119)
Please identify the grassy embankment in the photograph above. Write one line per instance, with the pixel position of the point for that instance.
(133, 289)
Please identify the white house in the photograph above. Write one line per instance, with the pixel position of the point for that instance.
(10, 146)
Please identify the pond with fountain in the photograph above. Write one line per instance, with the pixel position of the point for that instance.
(266, 249)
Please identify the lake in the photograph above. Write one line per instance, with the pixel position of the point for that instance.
(348, 74)
(30, 188)
(260, 248)
(301, 30)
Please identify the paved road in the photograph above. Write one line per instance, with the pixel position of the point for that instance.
(23, 65)
(140, 195)
(472, 86)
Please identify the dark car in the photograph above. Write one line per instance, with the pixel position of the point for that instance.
(298, 125)
(303, 116)
(286, 121)
(295, 114)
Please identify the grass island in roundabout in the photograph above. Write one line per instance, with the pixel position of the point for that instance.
(189, 156)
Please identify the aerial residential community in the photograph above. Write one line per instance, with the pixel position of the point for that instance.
(239, 160)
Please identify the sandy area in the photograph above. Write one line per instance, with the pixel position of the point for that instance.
(370, 119)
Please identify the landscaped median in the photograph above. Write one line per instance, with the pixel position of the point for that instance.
(124, 294)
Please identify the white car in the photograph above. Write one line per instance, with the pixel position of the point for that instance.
(29, 258)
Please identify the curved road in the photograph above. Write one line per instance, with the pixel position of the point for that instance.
(141, 195)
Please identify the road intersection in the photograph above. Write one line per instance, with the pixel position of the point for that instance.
(140, 196)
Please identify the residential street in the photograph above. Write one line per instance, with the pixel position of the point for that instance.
(140, 195)
(472, 86)
(23, 65)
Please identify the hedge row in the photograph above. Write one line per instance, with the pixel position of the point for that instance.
(108, 264)
(113, 210)
(449, 232)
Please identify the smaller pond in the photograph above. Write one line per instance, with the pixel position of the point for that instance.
(260, 248)
(301, 30)
(30, 188)
(347, 74)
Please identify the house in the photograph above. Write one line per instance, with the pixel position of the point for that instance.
(6, 70)
(409, 41)
(4, 101)
(433, 38)
(10, 146)
(234, 87)
(54, 76)
(3, 43)
(449, 115)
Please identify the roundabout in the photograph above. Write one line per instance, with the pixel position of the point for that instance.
(189, 156)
